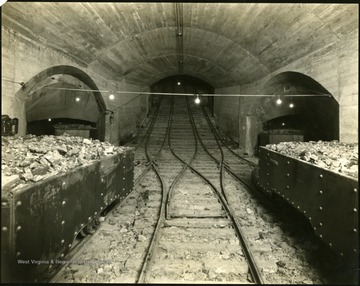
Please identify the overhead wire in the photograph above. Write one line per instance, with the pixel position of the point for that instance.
(184, 94)
(175, 93)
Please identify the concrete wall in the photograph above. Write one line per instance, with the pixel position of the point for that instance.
(335, 67)
(22, 59)
(226, 111)
(130, 110)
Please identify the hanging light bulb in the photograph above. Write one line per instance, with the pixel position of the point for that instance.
(197, 99)
(49, 119)
(291, 105)
(111, 97)
(278, 101)
(178, 83)
(77, 99)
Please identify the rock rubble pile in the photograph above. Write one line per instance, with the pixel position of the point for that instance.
(332, 155)
(33, 158)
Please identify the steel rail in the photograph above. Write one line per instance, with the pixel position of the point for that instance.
(56, 272)
(164, 214)
(161, 214)
(223, 165)
(147, 138)
(222, 139)
(255, 272)
(147, 259)
(252, 266)
(185, 167)
(220, 163)
(252, 188)
(227, 167)
(261, 195)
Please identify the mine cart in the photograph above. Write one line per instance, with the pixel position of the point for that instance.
(328, 199)
(41, 221)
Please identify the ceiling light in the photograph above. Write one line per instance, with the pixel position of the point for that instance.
(111, 97)
(291, 105)
(197, 99)
(178, 83)
(283, 124)
(49, 119)
(77, 98)
(278, 101)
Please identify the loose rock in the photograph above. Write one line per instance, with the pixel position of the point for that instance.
(334, 155)
(34, 158)
(141, 238)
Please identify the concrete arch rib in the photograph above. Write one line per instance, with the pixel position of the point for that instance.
(302, 79)
(32, 84)
(68, 70)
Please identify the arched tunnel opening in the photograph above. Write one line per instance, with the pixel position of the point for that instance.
(57, 109)
(311, 114)
(63, 103)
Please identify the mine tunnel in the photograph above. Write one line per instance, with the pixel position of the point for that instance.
(179, 143)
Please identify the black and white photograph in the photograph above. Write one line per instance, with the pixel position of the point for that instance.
(179, 142)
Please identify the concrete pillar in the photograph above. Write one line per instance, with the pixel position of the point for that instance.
(248, 134)
(107, 127)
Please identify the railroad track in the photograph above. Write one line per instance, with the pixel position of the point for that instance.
(194, 218)
(190, 217)
(186, 215)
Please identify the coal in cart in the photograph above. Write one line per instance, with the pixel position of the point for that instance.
(327, 199)
(40, 221)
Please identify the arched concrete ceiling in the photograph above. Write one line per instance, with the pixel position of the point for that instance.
(223, 43)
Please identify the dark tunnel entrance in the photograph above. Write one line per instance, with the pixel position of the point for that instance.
(289, 121)
(184, 84)
(64, 99)
(311, 114)
(59, 126)
(58, 108)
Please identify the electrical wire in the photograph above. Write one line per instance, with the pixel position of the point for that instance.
(126, 103)
(184, 94)
(174, 93)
